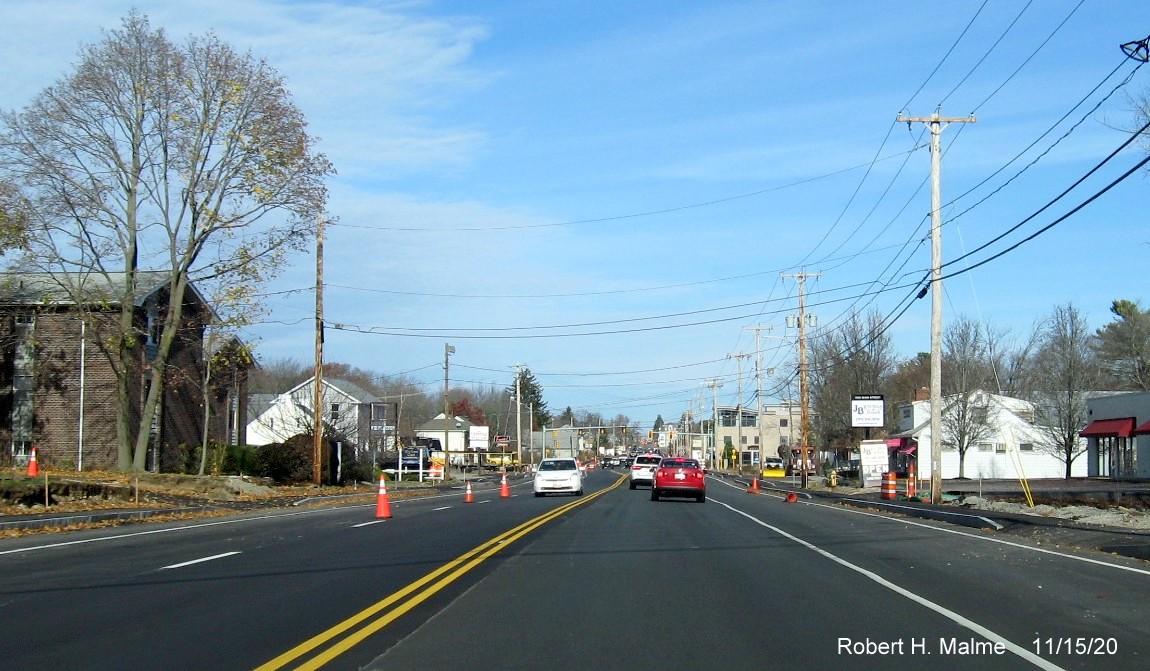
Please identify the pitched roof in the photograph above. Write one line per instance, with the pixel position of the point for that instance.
(62, 288)
(342, 386)
(356, 392)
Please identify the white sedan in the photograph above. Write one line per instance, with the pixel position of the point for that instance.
(558, 476)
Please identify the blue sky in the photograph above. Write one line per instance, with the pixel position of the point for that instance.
(612, 193)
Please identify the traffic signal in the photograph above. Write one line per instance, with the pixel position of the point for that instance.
(650, 433)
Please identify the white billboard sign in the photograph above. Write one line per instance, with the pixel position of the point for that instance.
(873, 462)
(868, 411)
(479, 437)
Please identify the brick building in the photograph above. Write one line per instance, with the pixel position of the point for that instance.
(58, 365)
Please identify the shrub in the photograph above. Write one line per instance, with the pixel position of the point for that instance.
(283, 462)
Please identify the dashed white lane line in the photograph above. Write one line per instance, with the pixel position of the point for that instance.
(198, 561)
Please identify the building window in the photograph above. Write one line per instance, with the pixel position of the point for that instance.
(782, 423)
(334, 412)
(23, 385)
(948, 447)
(985, 447)
(1000, 448)
(906, 413)
(743, 440)
(1026, 447)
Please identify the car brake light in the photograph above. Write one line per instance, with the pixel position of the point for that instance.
(636, 467)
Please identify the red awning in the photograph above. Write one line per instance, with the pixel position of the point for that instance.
(1121, 427)
(909, 449)
(1143, 428)
(894, 443)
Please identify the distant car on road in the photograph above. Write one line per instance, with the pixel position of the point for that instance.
(678, 476)
(558, 476)
(643, 469)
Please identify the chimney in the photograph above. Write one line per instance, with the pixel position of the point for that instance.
(922, 394)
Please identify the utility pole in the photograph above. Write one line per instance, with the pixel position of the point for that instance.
(317, 401)
(804, 401)
(739, 407)
(759, 388)
(448, 350)
(713, 384)
(935, 123)
(519, 414)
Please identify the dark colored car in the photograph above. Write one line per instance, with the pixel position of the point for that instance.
(678, 476)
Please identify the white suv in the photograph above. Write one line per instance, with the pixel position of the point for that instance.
(643, 469)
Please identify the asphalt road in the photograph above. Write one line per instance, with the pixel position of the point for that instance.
(609, 580)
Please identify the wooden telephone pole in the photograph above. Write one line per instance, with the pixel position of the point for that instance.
(317, 400)
(935, 123)
(804, 401)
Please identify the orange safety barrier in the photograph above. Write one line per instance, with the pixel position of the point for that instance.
(889, 488)
(911, 484)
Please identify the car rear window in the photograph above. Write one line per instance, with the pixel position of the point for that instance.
(567, 465)
(647, 461)
(679, 463)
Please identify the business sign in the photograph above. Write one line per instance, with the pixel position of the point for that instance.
(868, 410)
(874, 460)
(478, 437)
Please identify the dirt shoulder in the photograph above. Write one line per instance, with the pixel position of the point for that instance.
(66, 501)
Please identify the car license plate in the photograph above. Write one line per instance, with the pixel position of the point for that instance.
(680, 476)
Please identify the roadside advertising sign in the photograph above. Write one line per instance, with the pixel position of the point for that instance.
(867, 410)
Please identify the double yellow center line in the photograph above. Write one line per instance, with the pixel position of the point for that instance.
(354, 630)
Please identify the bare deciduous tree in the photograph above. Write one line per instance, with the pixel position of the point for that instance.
(1067, 371)
(189, 160)
(967, 416)
(856, 358)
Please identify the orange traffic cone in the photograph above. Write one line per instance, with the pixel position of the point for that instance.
(792, 497)
(382, 505)
(33, 465)
(468, 497)
(504, 490)
(754, 488)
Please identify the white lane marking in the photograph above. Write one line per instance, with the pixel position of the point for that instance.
(947, 613)
(884, 505)
(151, 532)
(435, 510)
(988, 539)
(957, 532)
(198, 561)
(366, 524)
(168, 530)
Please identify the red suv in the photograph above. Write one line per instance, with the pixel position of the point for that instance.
(677, 476)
